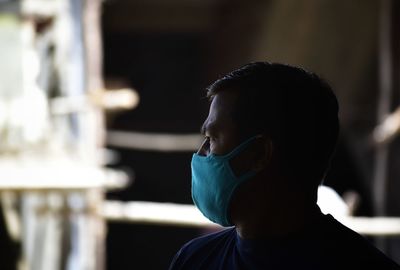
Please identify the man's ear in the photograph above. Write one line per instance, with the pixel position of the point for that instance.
(264, 154)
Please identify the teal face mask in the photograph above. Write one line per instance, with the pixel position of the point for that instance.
(214, 183)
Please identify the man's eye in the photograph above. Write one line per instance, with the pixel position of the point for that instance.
(210, 139)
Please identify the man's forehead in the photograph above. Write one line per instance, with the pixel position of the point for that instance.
(221, 109)
(223, 103)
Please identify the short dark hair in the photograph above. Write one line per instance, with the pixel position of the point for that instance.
(294, 107)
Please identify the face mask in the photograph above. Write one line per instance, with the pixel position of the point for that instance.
(214, 183)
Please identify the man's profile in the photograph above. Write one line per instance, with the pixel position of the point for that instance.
(269, 138)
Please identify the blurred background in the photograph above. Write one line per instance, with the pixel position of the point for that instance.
(101, 103)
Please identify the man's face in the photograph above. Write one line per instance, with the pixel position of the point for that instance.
(222, 136)
(221, 133)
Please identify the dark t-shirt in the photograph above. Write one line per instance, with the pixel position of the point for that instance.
(323, 244)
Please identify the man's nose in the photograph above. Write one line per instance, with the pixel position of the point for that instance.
(204, 148)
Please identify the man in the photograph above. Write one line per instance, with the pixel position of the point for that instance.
(269, 137)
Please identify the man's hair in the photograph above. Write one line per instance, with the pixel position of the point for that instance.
(293, 107)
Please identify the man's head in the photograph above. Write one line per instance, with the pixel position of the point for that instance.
(294, 109)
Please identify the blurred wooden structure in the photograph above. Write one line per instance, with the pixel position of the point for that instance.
(52, 179)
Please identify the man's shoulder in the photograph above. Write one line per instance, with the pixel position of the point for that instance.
(343, 235)
(352, 246)
(209, 240)
(202, 247)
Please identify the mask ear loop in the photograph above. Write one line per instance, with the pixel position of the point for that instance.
(240, 147)
(241, 178)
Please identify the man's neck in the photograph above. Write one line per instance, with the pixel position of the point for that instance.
(280, 223)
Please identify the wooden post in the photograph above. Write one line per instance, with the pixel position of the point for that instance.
(380, 180)
(94, 84)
